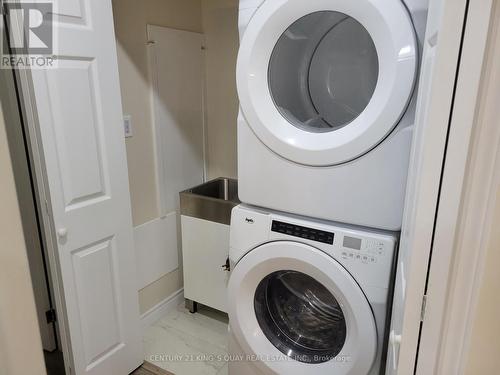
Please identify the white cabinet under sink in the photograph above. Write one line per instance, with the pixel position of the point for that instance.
(205, 219)
(205, 248)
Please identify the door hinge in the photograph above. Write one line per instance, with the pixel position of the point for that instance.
(51, 316)
(422, 309)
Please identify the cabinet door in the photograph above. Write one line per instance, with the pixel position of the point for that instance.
(205, 248)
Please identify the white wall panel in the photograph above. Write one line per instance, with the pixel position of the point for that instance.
(177, 68)
(156, 249)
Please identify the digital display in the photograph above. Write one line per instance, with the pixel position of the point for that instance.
(352, 243)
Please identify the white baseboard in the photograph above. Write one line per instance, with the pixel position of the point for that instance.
(162, 308)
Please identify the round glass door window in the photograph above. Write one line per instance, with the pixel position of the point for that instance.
(323, 71)
(300, 317)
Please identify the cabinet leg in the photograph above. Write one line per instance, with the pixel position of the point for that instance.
(191, 305)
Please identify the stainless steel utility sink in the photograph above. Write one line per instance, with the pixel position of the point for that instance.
(211, 201)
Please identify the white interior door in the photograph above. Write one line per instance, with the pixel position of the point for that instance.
(436, 90)
(79, 113)
(176, 63)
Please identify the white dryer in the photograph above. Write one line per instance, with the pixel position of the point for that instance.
(306, 297)
(327, 105)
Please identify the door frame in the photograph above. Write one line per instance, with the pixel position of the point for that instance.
(429, 342)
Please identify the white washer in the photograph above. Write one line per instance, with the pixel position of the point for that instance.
(306, 297)
(327, 105)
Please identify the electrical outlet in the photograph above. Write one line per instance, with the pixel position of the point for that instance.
(127, 125)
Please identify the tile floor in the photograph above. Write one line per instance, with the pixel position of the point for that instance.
(150, 369)
(189, 344)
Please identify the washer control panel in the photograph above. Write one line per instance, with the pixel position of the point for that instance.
(303, 232)
(357, 256)
(364, 250)
(367, 254)
(346, 244)
(349, 245)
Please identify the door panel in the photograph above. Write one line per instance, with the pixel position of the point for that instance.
(79, 113)
(403, 266)
(69, 9)
(77, 129)
(94, 269)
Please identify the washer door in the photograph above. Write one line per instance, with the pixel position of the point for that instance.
(323, 82)
(298, 311)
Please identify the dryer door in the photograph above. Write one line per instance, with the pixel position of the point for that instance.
(298, 311)
(323, 82)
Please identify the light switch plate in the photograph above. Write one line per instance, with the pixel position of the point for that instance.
(127, 125)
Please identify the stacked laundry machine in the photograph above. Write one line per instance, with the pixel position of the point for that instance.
(327, 93)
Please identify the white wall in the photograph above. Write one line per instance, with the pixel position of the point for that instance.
(483, 357)
(217, 19)
(484, 346)
(131, 18)
(220, 25)
(20, 343)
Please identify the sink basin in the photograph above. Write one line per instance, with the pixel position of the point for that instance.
(211, 201)
(220, 188)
